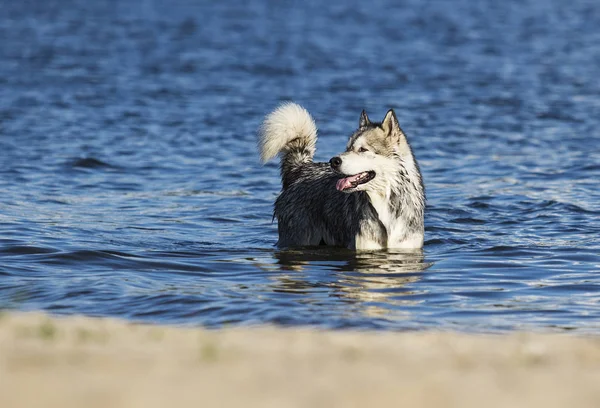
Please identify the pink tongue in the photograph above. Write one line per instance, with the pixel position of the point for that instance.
(343, 184)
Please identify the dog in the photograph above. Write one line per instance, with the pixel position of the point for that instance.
(369, 197)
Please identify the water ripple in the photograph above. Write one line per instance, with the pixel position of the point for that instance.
(131, 185)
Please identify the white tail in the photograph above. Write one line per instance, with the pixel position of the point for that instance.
(288, 122)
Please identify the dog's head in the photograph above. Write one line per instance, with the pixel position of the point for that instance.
(372, 156)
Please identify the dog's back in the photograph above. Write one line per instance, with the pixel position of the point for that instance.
(310, 211)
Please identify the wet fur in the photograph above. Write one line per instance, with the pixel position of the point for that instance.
(385, 212)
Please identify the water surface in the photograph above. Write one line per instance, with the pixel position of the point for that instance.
(130, 184)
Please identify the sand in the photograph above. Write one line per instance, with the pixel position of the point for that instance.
(88, 362)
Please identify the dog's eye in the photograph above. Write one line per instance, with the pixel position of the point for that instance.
(362, 150)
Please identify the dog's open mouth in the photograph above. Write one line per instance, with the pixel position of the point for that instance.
(353, 181)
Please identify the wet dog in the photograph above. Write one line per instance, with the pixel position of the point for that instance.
(369, 197)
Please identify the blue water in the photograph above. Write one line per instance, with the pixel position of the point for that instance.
(130, 184)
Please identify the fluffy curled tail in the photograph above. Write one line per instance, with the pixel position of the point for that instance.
(288, 129)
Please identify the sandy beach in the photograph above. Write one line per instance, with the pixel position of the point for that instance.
(87, 362)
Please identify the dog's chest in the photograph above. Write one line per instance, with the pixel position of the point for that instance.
(380, 204)
(393, 226)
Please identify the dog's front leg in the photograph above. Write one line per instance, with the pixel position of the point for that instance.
(364, 241)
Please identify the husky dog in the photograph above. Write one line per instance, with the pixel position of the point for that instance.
(369, 197)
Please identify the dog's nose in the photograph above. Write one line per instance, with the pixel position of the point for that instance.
(335, 162)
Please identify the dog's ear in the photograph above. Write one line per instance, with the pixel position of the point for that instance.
(392, 128)
(390, 123)
(364, 120)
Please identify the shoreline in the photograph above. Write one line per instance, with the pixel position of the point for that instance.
(95, 362)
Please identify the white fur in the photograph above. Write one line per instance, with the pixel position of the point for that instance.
(354, 163)
(366, 243)
(286, 123)
(396, 228)
(385, 169)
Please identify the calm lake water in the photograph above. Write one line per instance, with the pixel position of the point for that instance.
(130, 184)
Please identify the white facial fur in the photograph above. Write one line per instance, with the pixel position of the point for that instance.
(354, 163)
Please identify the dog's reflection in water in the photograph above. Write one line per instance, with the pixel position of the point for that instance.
(376, 279)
